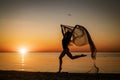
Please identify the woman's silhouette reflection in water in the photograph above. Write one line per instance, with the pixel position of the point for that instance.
(65, 43)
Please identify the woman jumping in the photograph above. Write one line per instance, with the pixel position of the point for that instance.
(65, 43)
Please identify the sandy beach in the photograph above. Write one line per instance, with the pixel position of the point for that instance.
(23, 75)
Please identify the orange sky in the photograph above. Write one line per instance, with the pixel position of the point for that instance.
(36, 25)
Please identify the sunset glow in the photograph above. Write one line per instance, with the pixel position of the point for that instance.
(37, 24)
(23, 50)
(42, 37)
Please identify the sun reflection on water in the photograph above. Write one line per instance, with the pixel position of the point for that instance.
(22, 62)
(23, 52)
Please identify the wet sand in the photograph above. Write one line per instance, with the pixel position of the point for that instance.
(23, 75)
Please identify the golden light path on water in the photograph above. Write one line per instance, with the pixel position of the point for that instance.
(22, 62)
(22, 51)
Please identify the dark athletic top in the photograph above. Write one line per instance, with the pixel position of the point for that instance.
(66, 40)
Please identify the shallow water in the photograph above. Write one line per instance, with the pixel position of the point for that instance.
(108, 62)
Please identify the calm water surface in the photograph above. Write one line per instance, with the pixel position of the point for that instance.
(48, 62)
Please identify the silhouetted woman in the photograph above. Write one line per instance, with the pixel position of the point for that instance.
(65, 43)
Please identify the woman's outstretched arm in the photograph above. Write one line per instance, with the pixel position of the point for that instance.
(62, 28)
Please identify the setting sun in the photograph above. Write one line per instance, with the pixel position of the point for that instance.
(23, 50)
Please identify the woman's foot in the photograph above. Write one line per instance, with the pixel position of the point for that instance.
(83, 55)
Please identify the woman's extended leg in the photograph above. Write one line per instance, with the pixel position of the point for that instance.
(76, 56)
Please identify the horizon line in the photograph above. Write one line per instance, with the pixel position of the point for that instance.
(55, 51)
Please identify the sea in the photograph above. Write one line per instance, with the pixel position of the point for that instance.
(107, 62)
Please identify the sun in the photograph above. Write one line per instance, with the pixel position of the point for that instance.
(23, 50)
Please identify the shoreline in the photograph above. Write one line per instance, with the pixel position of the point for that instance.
(25, 75)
